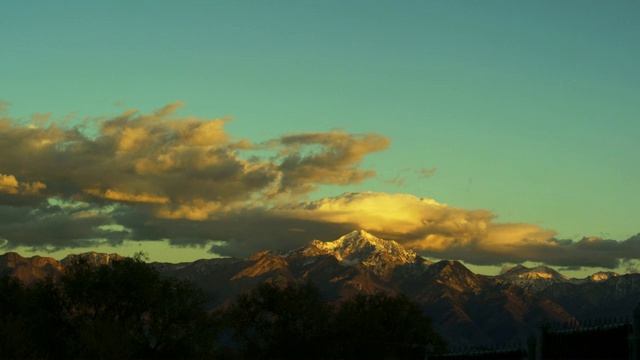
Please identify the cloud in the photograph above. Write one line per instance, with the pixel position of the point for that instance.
(442, 231)
(159, 158)
(51, 226)
(160, 176)
(4, 107)
(431, 228)
(166, 167)
(631, 265)
(10, 185)
(333, 158)
(398, 181)
(126, 197)
(426, 173)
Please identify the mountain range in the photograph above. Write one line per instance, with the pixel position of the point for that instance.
(467, 308)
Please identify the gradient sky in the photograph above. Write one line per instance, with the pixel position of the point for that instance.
(519, 119)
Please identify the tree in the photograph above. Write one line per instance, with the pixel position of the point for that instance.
(295, 321)
(14, 337)
(32, 323)
(384, 327)
(126, 309)
(289, 322)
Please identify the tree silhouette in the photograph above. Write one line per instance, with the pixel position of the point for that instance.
(384, 327)
(127, 310)
(296, 322)
(124, 310)
(14, 337)
(289, 322)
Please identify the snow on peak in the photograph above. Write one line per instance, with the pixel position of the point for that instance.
(602, 276)
(362, 247)
(538, 272)
(542, 272)
(535, 279)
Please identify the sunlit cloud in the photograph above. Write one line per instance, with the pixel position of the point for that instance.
(157, 158)
(187, 181)
(475, 236)
(116, 195)
(10, 185)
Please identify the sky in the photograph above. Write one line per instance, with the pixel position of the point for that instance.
(493, 132)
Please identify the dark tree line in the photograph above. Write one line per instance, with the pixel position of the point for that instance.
(295, 322)
(123, 310)
(127, 310)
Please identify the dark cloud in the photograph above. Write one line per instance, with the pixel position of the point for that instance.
(631, 265)
(237, 233)
(51, 227)
(572, 255)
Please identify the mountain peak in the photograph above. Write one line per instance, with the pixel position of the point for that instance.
(362, 248)
(541, 271)
(515, 269)
(449, 266)
(94, 258)
(534, 279)
(359, 246)
(360, 233)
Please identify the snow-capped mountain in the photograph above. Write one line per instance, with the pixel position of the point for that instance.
(533, 279)
(366, 250)
(540, 278)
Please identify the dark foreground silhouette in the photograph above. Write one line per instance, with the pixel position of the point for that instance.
(127, 310)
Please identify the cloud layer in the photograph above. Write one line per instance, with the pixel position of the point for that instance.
(444, 231)
(159, 176)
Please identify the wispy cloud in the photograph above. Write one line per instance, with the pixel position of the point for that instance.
(425, 173)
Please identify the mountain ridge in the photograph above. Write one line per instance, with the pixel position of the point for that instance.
(467, 308)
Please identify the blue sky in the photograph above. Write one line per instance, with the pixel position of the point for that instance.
(527, 110)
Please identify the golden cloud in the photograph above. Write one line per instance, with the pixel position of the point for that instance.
(116, 195)
(159, 157)
(196, 210)
(10, 185)
(425, 225)
(403, 217)
(188, 180)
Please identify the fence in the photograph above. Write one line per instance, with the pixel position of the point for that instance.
(599, 339)
(503, 352)
(611, 338)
